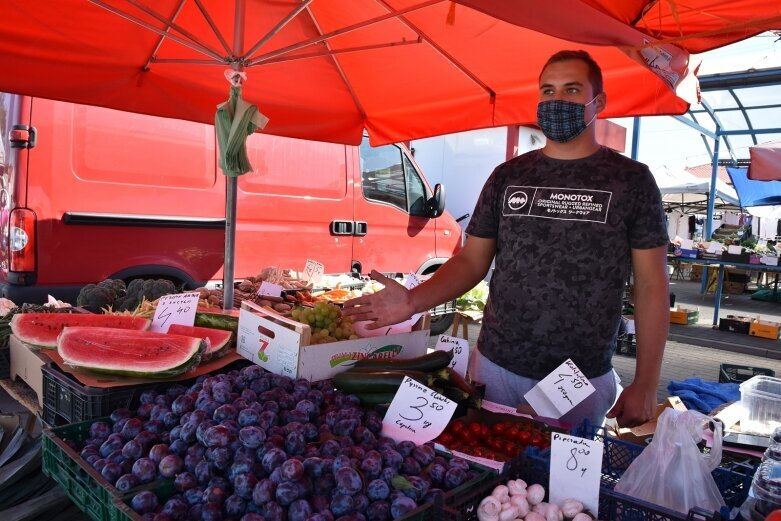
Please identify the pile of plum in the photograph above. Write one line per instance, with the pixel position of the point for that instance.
(251, 446)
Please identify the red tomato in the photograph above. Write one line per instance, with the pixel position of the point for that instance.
(512, 433)
(536, 440)
(485, 431)
(508, 447)
(457, 426)
(524, 437)
(466, 436)
(475, 428)
(497, 429)
(446, 439)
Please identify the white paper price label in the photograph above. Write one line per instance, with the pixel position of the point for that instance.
(500, 408)
(175, 309)
(460, 348)
(411, 281)
(560, 391)
(272, 290)
(417, 413)
(575, 470)
(313, 271)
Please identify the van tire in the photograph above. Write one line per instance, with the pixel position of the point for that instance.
(441, 323)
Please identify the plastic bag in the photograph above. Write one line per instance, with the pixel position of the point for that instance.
(671, 471)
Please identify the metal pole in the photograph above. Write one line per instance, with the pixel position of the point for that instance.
(231, 183)
(635, 137)
(713, 178)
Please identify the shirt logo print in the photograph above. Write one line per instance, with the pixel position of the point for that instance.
(517, 200)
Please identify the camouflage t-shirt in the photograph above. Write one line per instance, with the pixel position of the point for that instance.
(564, 230)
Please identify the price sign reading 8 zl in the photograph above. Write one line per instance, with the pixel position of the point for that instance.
(175, 309)
(417, 413)
(575, 470)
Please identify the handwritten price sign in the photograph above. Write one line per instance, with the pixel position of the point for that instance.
(417, 413)
(313, 271)
(411, 281)
(267, 288)
(175, 309)
(460, 349)
(560, 391)
(575, 470)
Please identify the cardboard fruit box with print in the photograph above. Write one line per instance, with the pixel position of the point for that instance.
(284, 346)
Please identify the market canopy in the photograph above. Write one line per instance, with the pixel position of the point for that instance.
(327, 70)
(687, 193)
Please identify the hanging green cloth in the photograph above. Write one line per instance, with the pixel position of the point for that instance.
(235, 120)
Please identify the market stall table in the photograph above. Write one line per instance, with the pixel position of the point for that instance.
(720, 277)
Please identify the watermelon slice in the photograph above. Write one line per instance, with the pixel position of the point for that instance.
(217, 340)
(128, 352)
(42, 329)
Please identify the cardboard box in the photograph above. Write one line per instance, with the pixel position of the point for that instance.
(735, 324)
(735, 288)
(26, 363)
(684, 316)
(760, 328)
(641, 433)
(282, 346)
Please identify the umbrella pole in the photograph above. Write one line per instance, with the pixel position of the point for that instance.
(230, 240)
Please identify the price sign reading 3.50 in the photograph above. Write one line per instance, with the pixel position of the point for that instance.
(175, 309)
(417, 413)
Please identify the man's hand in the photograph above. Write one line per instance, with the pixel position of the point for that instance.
(635, 406)
(389, 306)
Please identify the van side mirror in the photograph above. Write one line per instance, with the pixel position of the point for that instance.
(435, 206)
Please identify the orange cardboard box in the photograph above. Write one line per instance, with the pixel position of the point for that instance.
(684, 316)
(765, 329)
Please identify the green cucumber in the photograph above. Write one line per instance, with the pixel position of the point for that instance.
(426, 363)
(375, 382)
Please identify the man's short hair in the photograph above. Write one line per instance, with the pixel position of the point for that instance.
(594, 72)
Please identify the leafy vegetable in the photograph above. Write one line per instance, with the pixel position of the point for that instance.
(474, 299)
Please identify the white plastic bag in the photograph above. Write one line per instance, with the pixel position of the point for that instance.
(671, 471)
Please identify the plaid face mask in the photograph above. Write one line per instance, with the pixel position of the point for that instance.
(561, 120)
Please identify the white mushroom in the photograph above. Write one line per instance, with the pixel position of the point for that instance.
(582, 516)
(489, 509)
(571, 507)
(554, 513)
(517, 487)
(521, 503)
(509, 512)
(502, 493)
(533, 516)
(535, 494)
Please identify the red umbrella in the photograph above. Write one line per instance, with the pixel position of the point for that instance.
(326, 69)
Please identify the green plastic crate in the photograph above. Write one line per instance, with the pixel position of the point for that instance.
(83, 484)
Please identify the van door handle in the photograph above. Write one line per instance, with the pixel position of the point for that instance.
(361, 227)
(342, 227)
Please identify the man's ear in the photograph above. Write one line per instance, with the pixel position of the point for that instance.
(601, 101)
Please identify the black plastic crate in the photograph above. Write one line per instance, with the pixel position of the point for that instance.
(66, 400)
(732, 478)
(735, 324)
(534, 469)
(735, 374)
(5, 360)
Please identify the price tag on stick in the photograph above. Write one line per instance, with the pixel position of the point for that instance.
(417, 413)
(560, 391)
(460, 349)
(575, 470)
(267, 288)
(313, 271)
(175, 309)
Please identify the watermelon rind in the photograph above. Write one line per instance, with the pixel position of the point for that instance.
(42, 329)
(142, 354)
(215, 349)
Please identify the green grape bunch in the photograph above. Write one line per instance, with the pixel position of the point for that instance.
(326, 321)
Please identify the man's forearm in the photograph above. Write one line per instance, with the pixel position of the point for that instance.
(652, 322)
(453, 279)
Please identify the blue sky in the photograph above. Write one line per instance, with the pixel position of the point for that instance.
(665, 141)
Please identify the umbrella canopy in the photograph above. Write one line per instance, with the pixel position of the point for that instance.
(326, 70)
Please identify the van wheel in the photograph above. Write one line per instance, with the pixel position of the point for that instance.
(441, 323)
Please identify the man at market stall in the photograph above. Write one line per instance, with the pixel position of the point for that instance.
(563, 223)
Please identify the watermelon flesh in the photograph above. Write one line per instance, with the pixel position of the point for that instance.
(129, 352)
(217, 340)
(42, 329)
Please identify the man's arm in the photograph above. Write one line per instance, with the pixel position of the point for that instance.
(454, 278)
(637, 404)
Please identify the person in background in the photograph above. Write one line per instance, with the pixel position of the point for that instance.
(563, 223)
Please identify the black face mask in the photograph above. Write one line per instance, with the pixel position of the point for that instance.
(561, 120)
